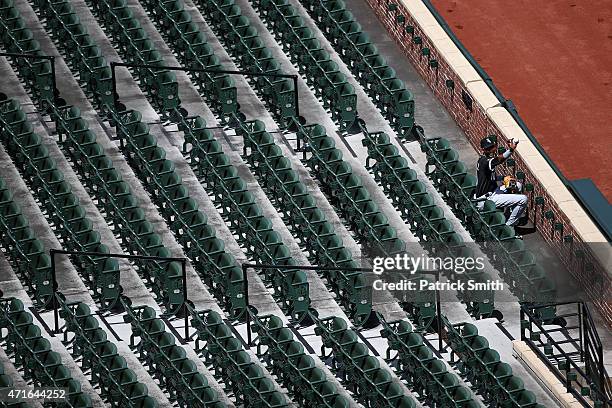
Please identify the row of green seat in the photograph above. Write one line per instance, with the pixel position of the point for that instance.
(136, 47)
(243, 42)
(357, 301)
(482, 367)
(372, 384)
(331, 85)
(300, 212)
(214, 265)
(287, 360)
(192, 50)
(7, 382)
(98, 356)
(58, 203)
(487, 225)
(291, 285)
(423, 372)
(345, 191)
(187, 222)
(37, 73)
(425, 218)
(201, 244)
(33, 354)
(24, 251)
(114, 198)
(410, 196)
(81, 52)
(449, 174)
(254, 231)
(231, 363)
(362, 57)
(167, 361)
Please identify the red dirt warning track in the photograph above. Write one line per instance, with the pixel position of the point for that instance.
(553, 59)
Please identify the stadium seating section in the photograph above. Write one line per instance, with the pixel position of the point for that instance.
(423, 372)
(487, 225)
(24, 251)
(213, 365)
(17, 38)
(307, 54)
(60, 205)
(33, 353)
(193, 51)
(168, 362)
(129, 37)
(306, 382)
(243, 41)
(229, 360)
(371, 383)
(85, 57)
(362, 57)
(299, 210)
(482, 367)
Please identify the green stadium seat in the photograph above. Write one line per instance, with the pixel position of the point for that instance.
(306, 52)
(41, 365)
(362, 57)
(62, 206)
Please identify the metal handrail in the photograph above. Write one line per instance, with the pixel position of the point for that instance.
(602, 393)
(592, 331)
(294, 78)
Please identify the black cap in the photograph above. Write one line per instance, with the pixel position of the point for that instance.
(487, 143)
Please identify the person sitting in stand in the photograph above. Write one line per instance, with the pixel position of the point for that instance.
(505, 197)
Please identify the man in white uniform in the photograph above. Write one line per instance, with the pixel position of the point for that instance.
(487, 180)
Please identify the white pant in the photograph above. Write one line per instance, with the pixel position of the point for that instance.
(518, 203)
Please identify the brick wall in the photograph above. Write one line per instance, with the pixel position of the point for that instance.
(464, 98)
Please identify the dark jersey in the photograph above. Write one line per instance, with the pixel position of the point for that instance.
(485, 170)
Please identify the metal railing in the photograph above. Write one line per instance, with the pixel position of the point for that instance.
(573, 353)
(294, 78)
(182, 308)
